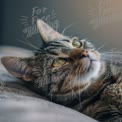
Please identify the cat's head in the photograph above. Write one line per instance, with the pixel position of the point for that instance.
(63, 58)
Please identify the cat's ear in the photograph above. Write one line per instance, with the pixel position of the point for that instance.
(18, 67)
(47, 33)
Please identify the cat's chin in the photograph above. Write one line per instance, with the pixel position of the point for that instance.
(93, 72)
(90, 75)
(94, 69)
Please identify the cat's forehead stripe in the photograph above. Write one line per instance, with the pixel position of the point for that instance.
(55, 44)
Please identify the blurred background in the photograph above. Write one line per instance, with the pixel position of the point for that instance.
(98, 21)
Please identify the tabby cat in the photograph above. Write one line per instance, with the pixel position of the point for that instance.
(71, 72)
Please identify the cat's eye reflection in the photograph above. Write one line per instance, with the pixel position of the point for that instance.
(59, 62)
(77, 44)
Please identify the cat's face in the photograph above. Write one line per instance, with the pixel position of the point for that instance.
(64, 59)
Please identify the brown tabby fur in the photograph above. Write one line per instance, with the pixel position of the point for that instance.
(96, 92)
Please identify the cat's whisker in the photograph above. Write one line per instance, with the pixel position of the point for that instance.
(72, 91)
(108, 57)
(63, 32)
(24, 16)
(31, 44)
(69, 26)
(111, 52)
(24, 42)
(79, 68)
(111, 59)
(100, 47)
(82, 69)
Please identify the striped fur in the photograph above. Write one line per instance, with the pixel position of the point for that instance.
(87, 84)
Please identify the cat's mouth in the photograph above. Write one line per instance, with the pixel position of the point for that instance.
(88, 63)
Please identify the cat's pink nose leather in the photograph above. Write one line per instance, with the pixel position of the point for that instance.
(84, 53)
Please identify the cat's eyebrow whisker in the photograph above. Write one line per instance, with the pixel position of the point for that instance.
(66, 28)
(29, 44)
(22, 42)
(63, 32)
(100, 47)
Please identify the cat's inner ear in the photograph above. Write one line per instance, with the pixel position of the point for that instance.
(47, 33)
(18, 67)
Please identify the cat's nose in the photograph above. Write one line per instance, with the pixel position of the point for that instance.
(84, 53)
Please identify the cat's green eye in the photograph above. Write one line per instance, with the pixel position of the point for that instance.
(59, 62)
(77, 44)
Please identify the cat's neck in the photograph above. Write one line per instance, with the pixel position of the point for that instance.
(109, 74)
